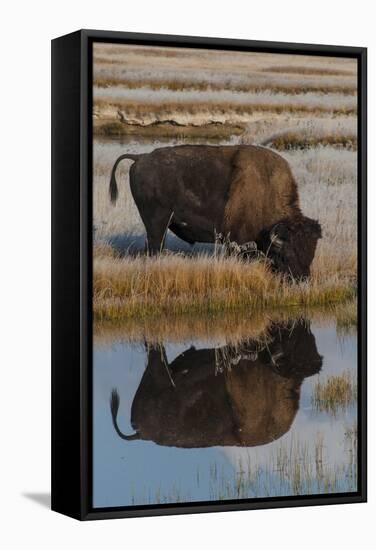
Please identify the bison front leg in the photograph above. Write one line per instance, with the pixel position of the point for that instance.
(156, 231)
(290, 246)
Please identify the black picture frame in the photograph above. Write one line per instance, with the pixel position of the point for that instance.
(72, 272)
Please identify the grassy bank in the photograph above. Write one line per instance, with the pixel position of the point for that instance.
(167, 129)
(204, 112)
(126, 287)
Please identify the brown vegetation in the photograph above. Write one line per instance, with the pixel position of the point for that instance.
(294, 140)
(165, 129)
(336, 392)
(146, 286)
(200, 85)
(231, 328)
(167, 110)
(295, 69)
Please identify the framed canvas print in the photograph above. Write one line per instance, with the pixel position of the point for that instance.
(209, 274)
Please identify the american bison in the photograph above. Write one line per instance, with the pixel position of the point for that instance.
(244, 395)
(245, 193)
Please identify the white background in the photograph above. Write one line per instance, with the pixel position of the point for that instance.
(27, 28)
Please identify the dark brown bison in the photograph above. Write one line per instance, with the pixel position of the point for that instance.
(246, 395)
(245, 193)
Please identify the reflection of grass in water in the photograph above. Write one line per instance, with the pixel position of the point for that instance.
(230, 328)
(347, 318)
(294, 468)
(174, 495)
(336, 392)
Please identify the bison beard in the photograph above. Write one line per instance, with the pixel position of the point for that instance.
(245, 192)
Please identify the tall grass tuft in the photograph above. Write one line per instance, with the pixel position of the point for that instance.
(143, 286)
(335, 393)
(295, 467)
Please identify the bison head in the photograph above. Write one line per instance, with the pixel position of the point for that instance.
(290, 246)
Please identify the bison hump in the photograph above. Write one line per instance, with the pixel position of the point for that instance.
(262, 191)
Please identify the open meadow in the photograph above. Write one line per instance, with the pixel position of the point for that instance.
(303, 107)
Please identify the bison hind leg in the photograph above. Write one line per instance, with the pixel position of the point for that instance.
(156, 230)
(290, 246)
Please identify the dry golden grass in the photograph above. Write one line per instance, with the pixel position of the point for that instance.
(292, 88)
(264, 130)
(337, 392)
(294, 140)
(197, 60)
(303, 69)
(142, 286)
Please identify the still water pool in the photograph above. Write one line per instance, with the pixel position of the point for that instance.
(209, 418)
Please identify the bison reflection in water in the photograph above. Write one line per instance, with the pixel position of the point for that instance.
(237, 396)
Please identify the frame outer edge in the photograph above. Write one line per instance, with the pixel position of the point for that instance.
(86, 512)
(65, 379)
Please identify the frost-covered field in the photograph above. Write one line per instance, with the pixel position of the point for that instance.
(121, 94)
(146, 106)
(134, 85)
(304, 107)
(220, 65)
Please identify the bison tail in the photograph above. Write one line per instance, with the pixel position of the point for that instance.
(113, 189)
(114, 404)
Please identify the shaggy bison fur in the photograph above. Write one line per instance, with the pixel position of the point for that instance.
(291, 245)
(245, 192)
